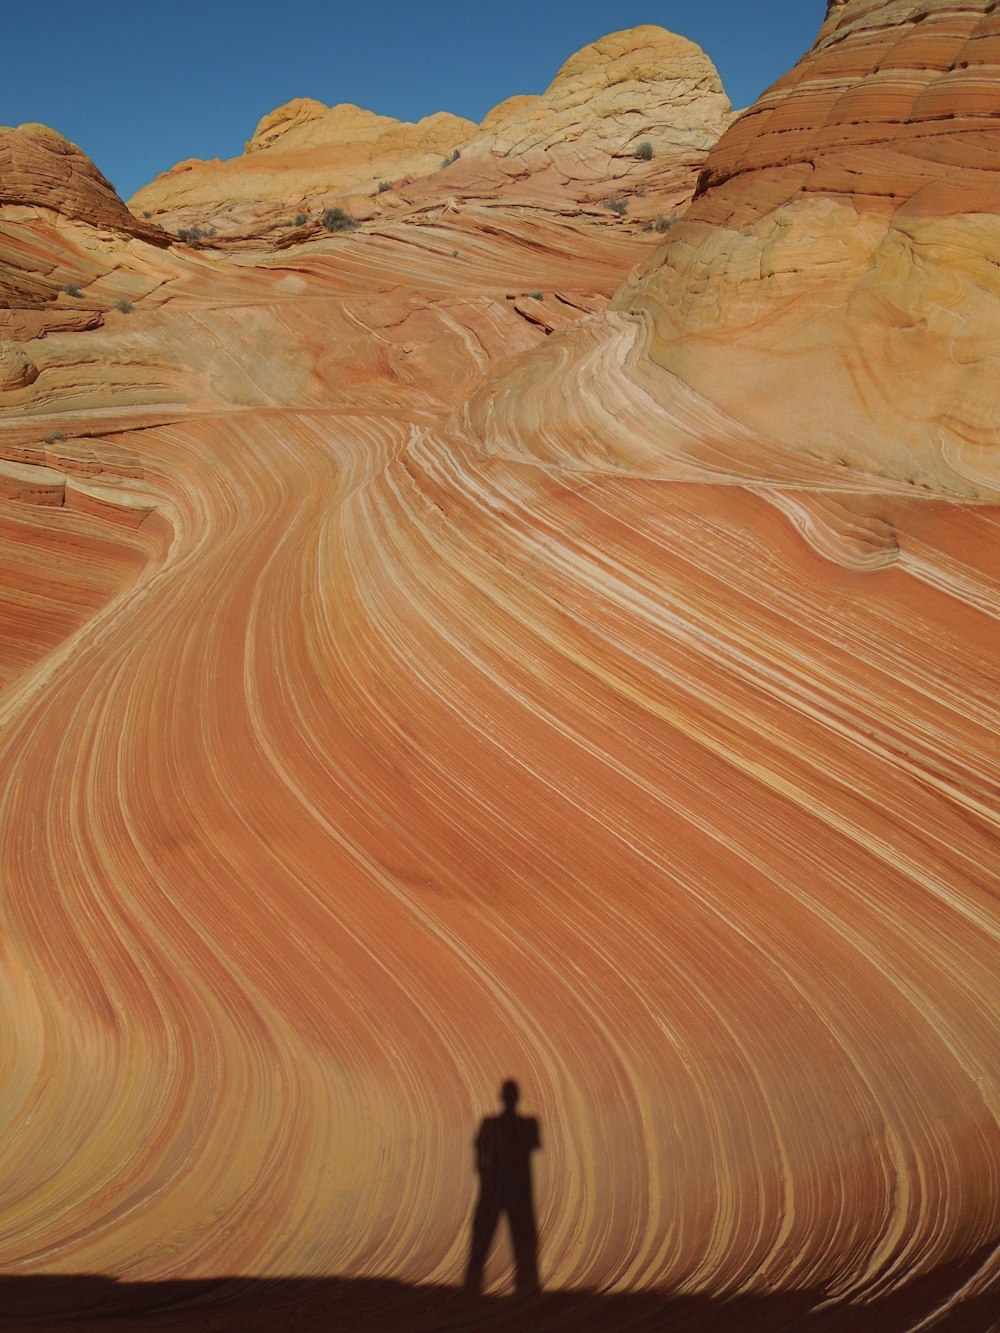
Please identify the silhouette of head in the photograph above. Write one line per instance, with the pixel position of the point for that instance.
(509, 1094)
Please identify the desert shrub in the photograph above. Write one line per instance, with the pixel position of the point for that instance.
(51, 439)
(616, 204)
(124, 305)
(335, 219)
(146, 213)
(383, 186)
(644, 152)
(452, 157)
(301, 219)
(191, 234)
(664, 224)
(535, 296)
(72, 290)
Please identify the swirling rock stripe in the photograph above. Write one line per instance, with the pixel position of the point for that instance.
(412, 769)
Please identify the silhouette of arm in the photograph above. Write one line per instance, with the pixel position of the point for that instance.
(482, 1146)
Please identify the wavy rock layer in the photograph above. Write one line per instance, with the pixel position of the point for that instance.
(643, 85)
(41, 169)
(833, 288)
(303, 151)
(372, 748)
(572, 146)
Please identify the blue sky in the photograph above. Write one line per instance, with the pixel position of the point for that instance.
(140, 86)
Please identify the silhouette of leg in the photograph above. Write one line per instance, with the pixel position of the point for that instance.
(524, 1234)
(484, 1226)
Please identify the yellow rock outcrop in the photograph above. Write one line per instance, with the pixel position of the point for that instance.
(573, 144)
(302, 153)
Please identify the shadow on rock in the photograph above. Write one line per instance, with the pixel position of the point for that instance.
(248, 1305)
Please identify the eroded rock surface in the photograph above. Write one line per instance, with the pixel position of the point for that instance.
(574, 145)
(416, 676)
(834, 289)
(41, 169)
(300, 154)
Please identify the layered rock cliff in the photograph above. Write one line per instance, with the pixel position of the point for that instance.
(833, 289)
(39, 169)
(303, 152)
(573, 145)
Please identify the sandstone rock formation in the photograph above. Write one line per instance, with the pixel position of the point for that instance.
(63, 229)
(570, 146)
(833, 289)
(302, 153)
(629, 87)
(41, 169)
(416, 676)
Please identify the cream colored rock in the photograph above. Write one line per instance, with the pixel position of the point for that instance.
(571, 145)
(574, 146)
(643, 83)
(16, 368)
(834, 288)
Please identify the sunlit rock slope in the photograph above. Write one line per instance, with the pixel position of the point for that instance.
(301, 153)
(838, 272)
(571, 148)
(417, 676)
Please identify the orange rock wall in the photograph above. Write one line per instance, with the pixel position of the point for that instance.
(432, 686)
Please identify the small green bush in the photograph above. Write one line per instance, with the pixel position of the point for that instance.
(51, 439)
(124, 305)
(301, 219)
(644, 152)
(146, 213)
(72, 290)
(452, 157)
(616, 204)
(335, 219)
(664, 224)
(535, 296)
(383, 186)
(190, 234)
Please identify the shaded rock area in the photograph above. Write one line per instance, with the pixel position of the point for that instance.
(236, 1304)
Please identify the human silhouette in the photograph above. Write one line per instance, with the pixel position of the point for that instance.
(504, 1146)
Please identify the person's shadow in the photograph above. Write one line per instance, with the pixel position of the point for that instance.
(504, 1146)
